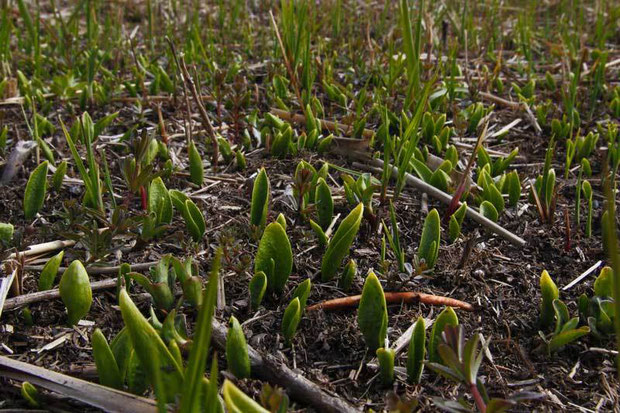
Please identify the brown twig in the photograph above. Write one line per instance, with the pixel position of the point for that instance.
(407, 297)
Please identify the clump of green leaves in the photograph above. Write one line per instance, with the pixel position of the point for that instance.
(460, 362)
(599, 312)
(160, 284)
(194, 220)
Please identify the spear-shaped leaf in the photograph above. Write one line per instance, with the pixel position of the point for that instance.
(34, 194)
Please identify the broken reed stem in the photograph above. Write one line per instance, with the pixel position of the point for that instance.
(406, 297)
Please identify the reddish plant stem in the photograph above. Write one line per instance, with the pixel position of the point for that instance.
(392, 298)
(143, 198)
(478, 398)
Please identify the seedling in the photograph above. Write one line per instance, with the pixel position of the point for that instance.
(372, 313)
(394, 240)
(75, 292)
(274, 257)
(34, 194)
(260, 200)
(291, 319)
(460, 362)
(549, 292)
(237, 350)
(416, 352)
(340, 243)
(386, 365)
(428, 251)
(48, 274)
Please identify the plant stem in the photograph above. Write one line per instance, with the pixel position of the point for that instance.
(478, 398)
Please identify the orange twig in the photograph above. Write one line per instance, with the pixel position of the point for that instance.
(393, 298)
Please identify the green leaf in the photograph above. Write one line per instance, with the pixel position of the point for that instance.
(561, 315)
(237, 401)
(348, 274)
(488, 211)
(237, 357)
(560, 340)
(260, 199)
(456, 220)
(6, 232)
(196, 222)
(34, 194)
(196, 169)
(372, 313)
(75, 291)
(161, 368)
(512, 187)
(107, 368)
(417, 351)
(159, 201)
(258, 286)
(30, 394)
(291, 319)
(197, 361)
(446, 318)
(48, 274)
(549, 292)
(281, 219)
(122, 348)
(324, 204)
(274, 245)
(323, 240)
(302, 291)
(386, 365)
(604, 282)
(59, 176)
(429, 243)
(341, 242)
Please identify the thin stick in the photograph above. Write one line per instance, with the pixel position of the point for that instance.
(26, 299)
(407, 297)
(43, 248)
(98, 270)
